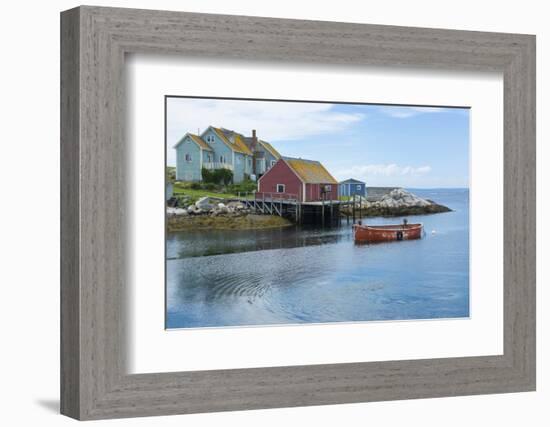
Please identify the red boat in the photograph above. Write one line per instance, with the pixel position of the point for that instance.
(386, 233)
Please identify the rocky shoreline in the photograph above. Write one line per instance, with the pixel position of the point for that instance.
(398, 202)
(209, 213)
(244, 222)
(212, 214)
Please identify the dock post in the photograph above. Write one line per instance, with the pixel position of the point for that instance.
(353, 208)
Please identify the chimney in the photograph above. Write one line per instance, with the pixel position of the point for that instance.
(253, 149)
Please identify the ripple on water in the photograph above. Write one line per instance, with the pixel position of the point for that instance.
(312, 276)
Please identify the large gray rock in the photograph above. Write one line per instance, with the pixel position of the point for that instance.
(176, 212)
(399, 202)
(194, 210)
(400, 198)
(204, 204)
(219, 210)
(235, 205)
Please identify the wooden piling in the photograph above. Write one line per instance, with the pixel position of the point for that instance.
(353, 208)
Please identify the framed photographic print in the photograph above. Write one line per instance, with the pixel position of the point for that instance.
(261, 213)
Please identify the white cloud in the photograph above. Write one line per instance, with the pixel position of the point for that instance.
(273, 120)
(385, 170)
(406, 112)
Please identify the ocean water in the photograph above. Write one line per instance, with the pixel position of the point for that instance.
(297, 275)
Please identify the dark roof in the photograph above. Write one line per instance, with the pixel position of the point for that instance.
(351, 181)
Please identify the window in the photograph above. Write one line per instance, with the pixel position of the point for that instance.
(188, 158)
(280, 188)
(328, 187)
(273, 162)
(358, 187)
(222, 159)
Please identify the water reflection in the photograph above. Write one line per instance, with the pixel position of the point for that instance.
(309, 275)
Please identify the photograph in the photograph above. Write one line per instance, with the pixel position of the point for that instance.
(286, 212)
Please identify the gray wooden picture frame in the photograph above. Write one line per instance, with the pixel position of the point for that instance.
(94, 381)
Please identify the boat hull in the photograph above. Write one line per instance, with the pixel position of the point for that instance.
(386, 233)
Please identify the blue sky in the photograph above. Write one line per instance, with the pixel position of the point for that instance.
(415, 147)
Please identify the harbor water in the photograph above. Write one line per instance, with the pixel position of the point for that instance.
(297, 275)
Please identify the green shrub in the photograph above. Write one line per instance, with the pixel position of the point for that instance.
(246, 186)
(170, 173)
(210, 186)
(217, 176)
(225, 175)
(207, 175)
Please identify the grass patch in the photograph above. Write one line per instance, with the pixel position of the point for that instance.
(197, 194)
(185, 188)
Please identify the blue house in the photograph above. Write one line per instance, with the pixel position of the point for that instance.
(219, 148)
(351, 187)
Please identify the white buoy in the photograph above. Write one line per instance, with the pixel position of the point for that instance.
(433, 231)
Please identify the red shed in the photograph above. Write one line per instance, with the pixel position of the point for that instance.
(306, 180)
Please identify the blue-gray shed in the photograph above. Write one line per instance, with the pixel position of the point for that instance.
(351, 187)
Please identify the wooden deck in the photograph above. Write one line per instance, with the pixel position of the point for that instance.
(288, 206)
